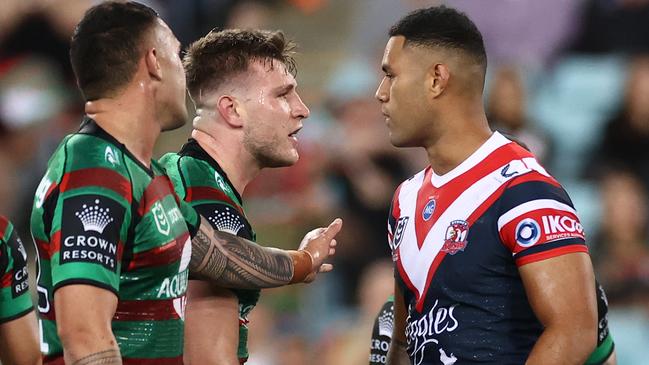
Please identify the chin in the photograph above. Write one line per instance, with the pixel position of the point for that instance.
(280, 161)
(396, 142)
(179, 120)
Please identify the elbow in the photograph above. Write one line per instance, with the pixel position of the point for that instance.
(587, 336)
(583, 338)
(79, 337)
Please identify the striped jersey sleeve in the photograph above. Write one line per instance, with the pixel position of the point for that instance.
(15, 299)
(537, 220)
(91, 216)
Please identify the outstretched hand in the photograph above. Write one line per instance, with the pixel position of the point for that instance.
(320, 243)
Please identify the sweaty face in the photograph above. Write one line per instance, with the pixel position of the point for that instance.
(172, 92)
(273, 112)
(402, 93)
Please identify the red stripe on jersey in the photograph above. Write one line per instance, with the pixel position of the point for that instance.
(162, 255)
(145, 310)
(554, 224)
(534, 176)
(406, 280)
(441, 255)
(5, 280)
(396, 212)
(209, 193)
(99, 177)
(4, 223)
(396, 209)
(454, 188)
(157, 190)
(43, 248)
(559, 251)
(54, 245)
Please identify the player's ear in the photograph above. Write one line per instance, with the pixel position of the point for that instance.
(152, 64)
(436, 79)
(230, 110)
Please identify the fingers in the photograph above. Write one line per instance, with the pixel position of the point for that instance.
(333, 229)
(326, 268)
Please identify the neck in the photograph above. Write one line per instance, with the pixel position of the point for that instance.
(130, 119)
(462, 138)
(232, 157)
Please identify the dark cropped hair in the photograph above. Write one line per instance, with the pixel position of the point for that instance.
(444, 27)
(106, 46)
(219, 55)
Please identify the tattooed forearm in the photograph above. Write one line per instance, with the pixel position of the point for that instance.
(234, 262)
(108, 357)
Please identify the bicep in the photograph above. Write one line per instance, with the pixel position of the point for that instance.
(560, 289)
(83, 317)
(19, 341)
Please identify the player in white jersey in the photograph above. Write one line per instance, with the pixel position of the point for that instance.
(491, 262)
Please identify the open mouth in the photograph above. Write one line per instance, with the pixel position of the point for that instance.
(295, 132)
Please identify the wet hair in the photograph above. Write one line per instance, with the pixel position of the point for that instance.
(443, 27)
(220, 55)
(107, 44)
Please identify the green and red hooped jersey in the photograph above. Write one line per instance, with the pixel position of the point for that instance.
(102, 218)
(199, 180)
(15, 299)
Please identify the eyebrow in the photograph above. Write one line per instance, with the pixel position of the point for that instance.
(386, 68)
(284, 88)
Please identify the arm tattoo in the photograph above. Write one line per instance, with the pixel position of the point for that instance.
(234, 262)
(107, 357)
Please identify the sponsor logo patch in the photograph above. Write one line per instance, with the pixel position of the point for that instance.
(561, 226)
(528, 232)
(90, 232)
(429, 209)
(111, 156)
(422, 333)
(226, 220)
(20, 278)
(455, 239)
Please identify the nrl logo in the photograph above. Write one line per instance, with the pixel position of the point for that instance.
(160, 217)
(398, 232)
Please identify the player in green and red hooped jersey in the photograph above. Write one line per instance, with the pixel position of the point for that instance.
(18, 328)
(248, 117)
(112, 236)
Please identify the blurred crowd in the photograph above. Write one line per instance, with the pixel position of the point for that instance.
(569, 78)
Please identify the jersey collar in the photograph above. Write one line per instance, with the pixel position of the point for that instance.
(494, 142)
(90, 127)
(193, 149)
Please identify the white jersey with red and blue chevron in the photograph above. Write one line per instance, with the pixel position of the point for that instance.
(457, 241)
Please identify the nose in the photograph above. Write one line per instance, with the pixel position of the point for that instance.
(381, 93)
(300, 110)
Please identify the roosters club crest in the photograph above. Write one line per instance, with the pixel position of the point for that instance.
(455, 239)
